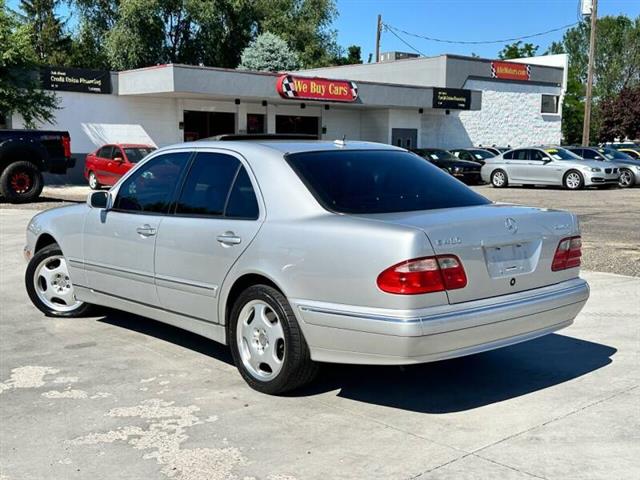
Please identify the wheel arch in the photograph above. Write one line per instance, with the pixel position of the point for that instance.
(44, 240)
(239, 285)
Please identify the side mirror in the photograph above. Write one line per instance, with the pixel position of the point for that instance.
(97, 199)
(118, 159)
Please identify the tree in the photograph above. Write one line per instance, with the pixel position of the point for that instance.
(304, 25)
(518, 50)
(353, 56)
(617, 66)
(269, 53)
(50, 42)
(19, 82)
(620, 115)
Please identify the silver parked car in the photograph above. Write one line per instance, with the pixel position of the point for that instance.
(547, 166)
(297, 252)
(628, 167)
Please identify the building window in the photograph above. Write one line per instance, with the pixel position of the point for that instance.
(255, 123)
(550, 103)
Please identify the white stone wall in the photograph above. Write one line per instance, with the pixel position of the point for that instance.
(341, 123)
(374, 126)
(510, 115)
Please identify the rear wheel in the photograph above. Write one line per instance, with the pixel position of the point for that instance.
(93, 181)
(21, 182)
(627, 178)
(49, 286)
(573, 180)
(267, 344)
(499, 179)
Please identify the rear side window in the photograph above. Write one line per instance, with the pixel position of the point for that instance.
(208, 183)
(105, 152)
(150, 188)
(379, 181)
(507, 155)
(242, 202)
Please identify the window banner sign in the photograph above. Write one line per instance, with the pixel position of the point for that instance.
(75, 80)
(510, 71)
(322, 89)
(452, 98)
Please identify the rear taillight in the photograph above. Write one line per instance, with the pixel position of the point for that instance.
(66, 146)
(423, 275)
(567, 254)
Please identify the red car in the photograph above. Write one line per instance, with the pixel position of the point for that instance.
(106, 165)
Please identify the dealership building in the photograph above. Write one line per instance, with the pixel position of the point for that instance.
(446, 101)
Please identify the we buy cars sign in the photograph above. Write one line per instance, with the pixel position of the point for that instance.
(306, 88)
(510, 71)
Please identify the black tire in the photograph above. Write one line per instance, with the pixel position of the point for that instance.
(297, 369)
(628, 180)
(21, 182)
(573, 186)
(95, 184)
(29, 278)
(495, 178)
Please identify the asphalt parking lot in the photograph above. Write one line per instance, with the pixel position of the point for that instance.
(122, 397)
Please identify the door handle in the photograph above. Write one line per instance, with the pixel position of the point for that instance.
(146, 230)
(228, 238)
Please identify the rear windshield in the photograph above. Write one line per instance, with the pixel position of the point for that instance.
(379, 181)
(435, 154)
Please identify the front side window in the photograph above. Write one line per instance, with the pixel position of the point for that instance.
(539, 156)
(117, 153)
(135, 154)
(482, 154)
(208, 183)
(150, 189)
(379, 181)
(550, 103)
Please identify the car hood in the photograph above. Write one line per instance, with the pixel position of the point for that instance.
(617, 161)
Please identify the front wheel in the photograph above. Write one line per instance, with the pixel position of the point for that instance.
(21, 182)
(573, 180)
(267, 344)
(49, 286)
(499, 179)
(627, 178)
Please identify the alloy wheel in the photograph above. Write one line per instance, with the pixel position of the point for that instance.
(573, 180)
(626, 178)
(21, 182)
(260, 340)
(498, 179)
(53, 286)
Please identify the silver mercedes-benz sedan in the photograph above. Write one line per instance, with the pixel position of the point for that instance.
(297, 252)
(547, 166)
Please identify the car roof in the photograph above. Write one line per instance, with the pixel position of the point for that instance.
(296, 146)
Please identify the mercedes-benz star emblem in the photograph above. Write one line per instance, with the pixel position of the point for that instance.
(511, 224)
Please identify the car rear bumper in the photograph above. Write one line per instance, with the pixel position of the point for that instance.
(337, 333)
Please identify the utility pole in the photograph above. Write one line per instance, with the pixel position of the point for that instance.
(378, 33)
(592, 53)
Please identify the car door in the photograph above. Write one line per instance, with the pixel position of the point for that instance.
(117, 165)
(103, 156)
(539, 169)
(516, 164)
(119, 242)
(215, 219)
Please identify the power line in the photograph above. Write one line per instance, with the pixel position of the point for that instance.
(394, 30)
(386, 27)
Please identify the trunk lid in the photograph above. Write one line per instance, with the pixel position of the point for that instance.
(504, 248)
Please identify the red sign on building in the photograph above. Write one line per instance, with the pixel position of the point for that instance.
(323, 89)
(510, 71)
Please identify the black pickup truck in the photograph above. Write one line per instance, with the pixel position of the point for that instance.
(25, 155)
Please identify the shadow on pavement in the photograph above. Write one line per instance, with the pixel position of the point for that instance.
(441, 387)
(467, 382)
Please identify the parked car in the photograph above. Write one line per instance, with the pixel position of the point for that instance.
(629, 168)
(106, 165)
(478, 155)
(468, 172)
(547, 166)
(373, 256)
(25, 155)
(632, 152)
(495, 149)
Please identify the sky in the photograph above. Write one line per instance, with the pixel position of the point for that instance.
(468, 20)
